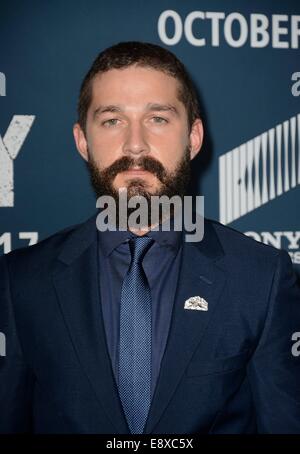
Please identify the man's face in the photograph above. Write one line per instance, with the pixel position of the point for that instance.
(137, 133)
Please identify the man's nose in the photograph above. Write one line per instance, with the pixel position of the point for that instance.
(135, 141)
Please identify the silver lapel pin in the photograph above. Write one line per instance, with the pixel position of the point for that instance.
(196, 303)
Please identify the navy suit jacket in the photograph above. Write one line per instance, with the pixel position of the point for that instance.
(226, 370)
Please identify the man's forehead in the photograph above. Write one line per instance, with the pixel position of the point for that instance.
(137, 76)
(148, 86)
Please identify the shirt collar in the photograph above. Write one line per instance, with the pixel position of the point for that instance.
(110, 240)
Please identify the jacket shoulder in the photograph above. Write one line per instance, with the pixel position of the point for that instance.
(237, 243)
(40, 255)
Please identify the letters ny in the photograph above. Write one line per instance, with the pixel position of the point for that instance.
(10, 146)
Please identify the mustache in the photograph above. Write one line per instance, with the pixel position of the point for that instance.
(145, 163)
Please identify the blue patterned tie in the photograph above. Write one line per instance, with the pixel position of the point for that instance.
(135, 339)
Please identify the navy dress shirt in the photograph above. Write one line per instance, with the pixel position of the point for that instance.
(161, 265)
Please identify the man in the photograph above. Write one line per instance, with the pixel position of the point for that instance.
(138, 330)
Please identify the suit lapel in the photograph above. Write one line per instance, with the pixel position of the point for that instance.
(77, 287)
(200, 275)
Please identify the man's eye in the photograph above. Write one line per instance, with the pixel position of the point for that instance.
(110, 122)
(159, 120)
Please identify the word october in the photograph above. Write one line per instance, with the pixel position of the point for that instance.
(201, 28)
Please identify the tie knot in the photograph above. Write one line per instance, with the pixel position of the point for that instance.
(139, 246)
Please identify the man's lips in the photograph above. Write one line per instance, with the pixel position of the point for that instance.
(135, 171)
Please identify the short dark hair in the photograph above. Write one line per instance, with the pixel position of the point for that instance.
(125, 54)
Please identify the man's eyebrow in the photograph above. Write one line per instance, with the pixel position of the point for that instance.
(103, 109)
(162, 108)
(157, 107)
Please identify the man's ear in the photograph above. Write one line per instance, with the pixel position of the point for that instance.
(80, 140)
(196, 138)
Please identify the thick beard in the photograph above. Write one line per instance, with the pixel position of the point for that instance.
(171, 183)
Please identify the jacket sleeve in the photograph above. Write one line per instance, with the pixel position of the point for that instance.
(16, 380)
(274, 370)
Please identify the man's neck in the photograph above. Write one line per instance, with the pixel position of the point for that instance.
(145, 229)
